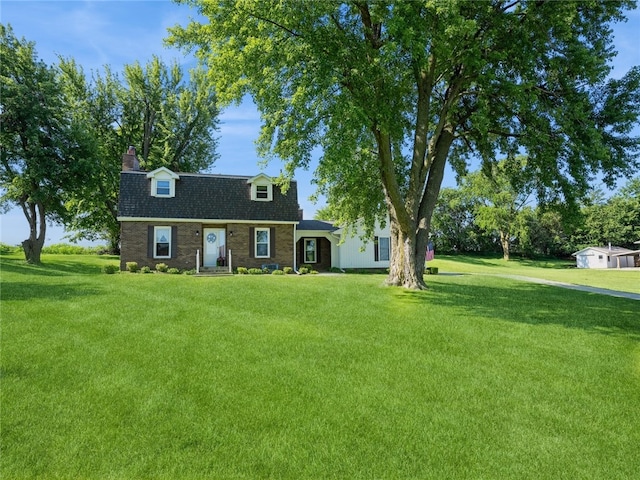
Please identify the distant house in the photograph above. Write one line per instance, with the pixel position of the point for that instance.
(607, 257)
(189, 220)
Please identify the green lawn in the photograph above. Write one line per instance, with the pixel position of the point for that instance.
(626, 280)
(172, 376)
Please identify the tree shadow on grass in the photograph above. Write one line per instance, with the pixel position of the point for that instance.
(492, 260)
(533, 304)
(29, 291)
(70, 266)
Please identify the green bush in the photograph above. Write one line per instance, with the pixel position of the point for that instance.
(313, 272)
(277, 272)
(335, 270)
(110, 269)
(256, 271)
(162, 267)
(5, 249)
(287, 270)
(132, 266)
(303, 270)
(145, 269)
(243, 271)
(173, 271)
(190, 272)
(67, 249)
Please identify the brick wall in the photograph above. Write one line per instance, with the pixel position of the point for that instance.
(239, 244)
(134, 248)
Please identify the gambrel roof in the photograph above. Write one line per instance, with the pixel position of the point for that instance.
(204, 197)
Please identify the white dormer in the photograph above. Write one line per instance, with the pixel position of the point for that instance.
(261, 188)
(163, 182)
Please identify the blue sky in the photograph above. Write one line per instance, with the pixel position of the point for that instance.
(119, 32)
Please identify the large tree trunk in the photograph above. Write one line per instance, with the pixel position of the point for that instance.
(37, 229)
(504, 243)
(405, 261)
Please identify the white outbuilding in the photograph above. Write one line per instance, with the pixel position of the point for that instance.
(606, 257)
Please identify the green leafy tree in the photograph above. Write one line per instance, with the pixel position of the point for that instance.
(615, 220)
(172, 120)
(453, 228)
(45, 154)
(502, 193)
(420, 84)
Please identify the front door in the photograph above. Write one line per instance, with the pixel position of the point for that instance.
(215, 248)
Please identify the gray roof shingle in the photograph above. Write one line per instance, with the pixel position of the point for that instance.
(316, 225)
(204, 196)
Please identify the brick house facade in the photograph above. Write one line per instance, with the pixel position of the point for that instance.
(189, 221)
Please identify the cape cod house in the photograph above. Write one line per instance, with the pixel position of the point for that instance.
(189, 220)
(220, 222)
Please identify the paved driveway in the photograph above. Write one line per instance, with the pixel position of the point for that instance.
(583, 288)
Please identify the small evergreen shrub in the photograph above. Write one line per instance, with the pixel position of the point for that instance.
(313, 272)
(110, 269)
(277, 272)
(162, 267)
(287, 270)
(242, 271)
(173, 271)
(335, 270)
(255, 271)
(190, 272)
(145, 269)
(132, 267)
(303, 270)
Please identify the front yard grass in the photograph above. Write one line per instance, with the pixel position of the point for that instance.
(626, 280)
(172, 376)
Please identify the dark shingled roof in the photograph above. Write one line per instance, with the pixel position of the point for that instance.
(316, 225)
(202, 196)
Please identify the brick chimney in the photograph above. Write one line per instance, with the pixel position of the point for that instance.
(129, 160)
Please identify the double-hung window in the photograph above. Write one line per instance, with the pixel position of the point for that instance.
(310, 252)
(262, 243)
(162, 242)
(381, 249)
(163, 188)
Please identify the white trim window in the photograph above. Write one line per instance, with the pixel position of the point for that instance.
(261, 188)
(381, 249)
(162, 242)
(163, 188)
(262, 243)
(310, 250)
(163, 183)
(262, 192)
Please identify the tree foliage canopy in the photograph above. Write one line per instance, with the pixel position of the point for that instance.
(170, 119)
(45, 154)
(420, 83)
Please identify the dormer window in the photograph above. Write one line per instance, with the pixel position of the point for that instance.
(163, 188)
(163, 183)
(262, 192)
(261, 188)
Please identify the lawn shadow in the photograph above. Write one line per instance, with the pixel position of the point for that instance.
(31, 291)
(70, 266)
(534, 304)
(493, 260)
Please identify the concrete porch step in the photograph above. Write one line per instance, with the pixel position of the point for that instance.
(213, 271)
